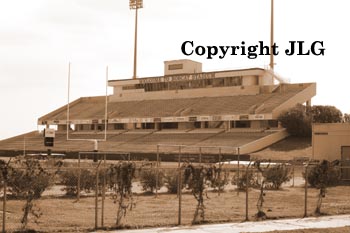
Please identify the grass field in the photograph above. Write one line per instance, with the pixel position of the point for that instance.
(69, 215)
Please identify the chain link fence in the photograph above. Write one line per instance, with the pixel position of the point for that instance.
(92, 192)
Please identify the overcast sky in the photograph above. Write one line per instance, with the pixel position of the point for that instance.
(38, 38)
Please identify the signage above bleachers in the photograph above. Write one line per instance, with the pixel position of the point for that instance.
(167, 119)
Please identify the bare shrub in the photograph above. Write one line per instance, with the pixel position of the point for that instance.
(325, 174)
(275, 176)
(70, 180)
(171, 181)
(198, 179)
(219, 179)
(148, 179)
(241, 181)
(28, 180)
(120, 178)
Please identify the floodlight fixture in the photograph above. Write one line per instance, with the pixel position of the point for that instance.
(135, 4)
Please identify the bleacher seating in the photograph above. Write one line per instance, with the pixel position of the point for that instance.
(146, 140)
(132, 142)
(93, 107)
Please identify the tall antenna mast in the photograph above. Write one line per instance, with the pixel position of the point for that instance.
(271, 39)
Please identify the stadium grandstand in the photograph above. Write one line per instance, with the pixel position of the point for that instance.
(185, 106)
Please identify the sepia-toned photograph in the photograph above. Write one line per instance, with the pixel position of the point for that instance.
(144, 116)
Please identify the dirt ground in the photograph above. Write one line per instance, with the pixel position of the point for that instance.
(68, 214)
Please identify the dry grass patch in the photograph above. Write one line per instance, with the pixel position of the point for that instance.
(68, 215)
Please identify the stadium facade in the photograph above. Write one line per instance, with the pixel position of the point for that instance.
(185, 106)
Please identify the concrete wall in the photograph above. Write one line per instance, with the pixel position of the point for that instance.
(130, 126)
(185, 125)
(85, 127)
(328, 139)
(255, 124)
(263, 142)
(301, 98)
(62, 127)
(266, 79)
(250, 80)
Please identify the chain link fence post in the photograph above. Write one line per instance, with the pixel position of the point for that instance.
(306, 184)
(79, 175)
(96, 195)
(293, 171)
(179, 188)
(5, 177)
(246, 193)
(238, 169)
(103, 191)
(157, 175)
(220, 166)
(246, 196)
(4, 207)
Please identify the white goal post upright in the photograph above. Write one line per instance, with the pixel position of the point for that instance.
(105, 118)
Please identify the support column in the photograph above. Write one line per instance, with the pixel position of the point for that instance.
(157, 126)
(308, 103)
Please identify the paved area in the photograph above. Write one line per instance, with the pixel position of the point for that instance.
(263, 226)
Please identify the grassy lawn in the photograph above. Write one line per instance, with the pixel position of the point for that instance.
(66, 214)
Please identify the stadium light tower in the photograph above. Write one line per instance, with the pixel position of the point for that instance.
(135, 5)
(271, 37)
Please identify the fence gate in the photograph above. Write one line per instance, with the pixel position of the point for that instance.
(345, 157)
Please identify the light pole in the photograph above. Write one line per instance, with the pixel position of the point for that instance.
(135, 5)
(271, 37)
